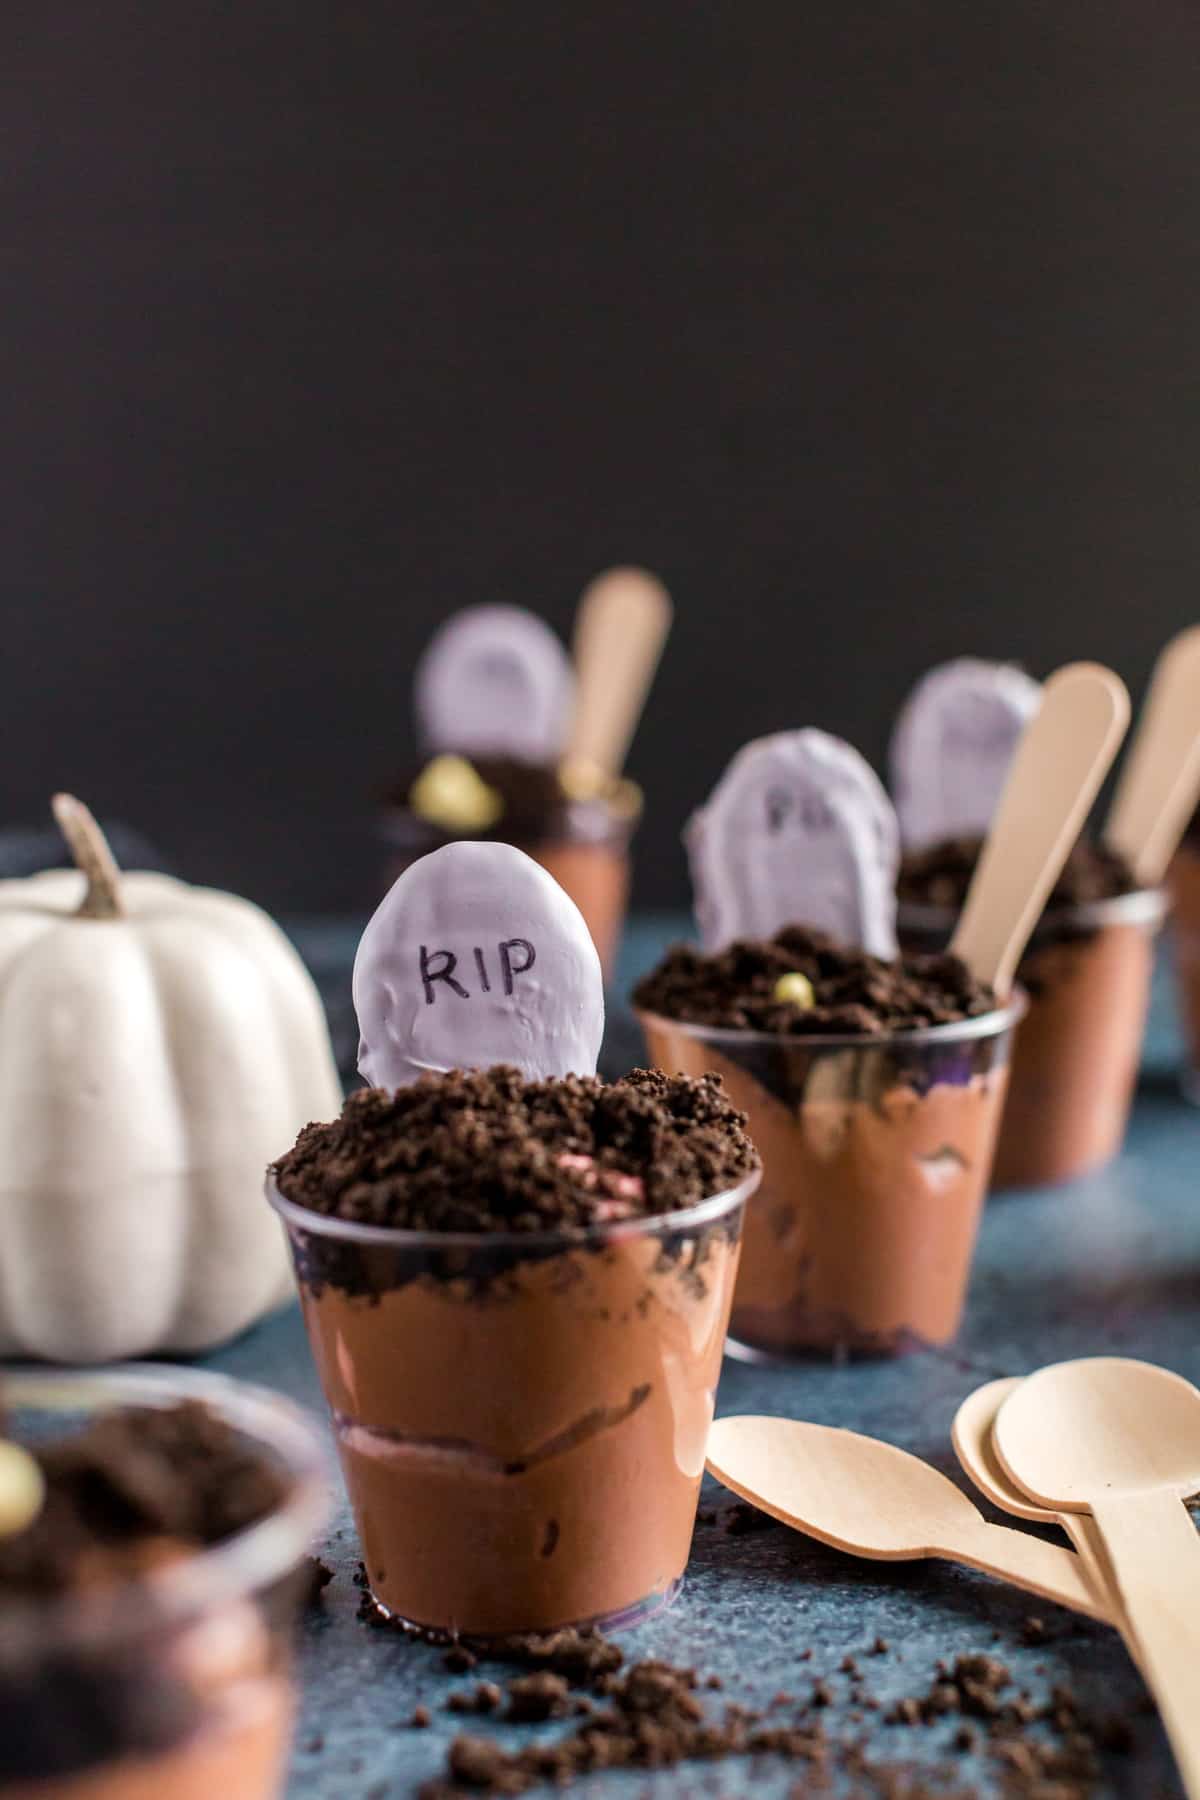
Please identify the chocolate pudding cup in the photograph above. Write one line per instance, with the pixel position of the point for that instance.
(1183, 883)
(876, 1154)
(175, 1681)
(585, 847)
(521, 1417)
(1087, 973)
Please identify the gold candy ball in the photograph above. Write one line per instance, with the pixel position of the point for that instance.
(21, 1488)
(450, 792)
(795, 990)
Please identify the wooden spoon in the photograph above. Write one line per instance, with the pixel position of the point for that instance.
(620, 629)
(1062, 758)
(1121, 1440)
(874, 1500)
(1160, 783)
(971, 1435)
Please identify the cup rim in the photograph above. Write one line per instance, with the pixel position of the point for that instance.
(251, 1559)
(960, 1031)
(1143, 906)
(588, 1237)
(592, 823)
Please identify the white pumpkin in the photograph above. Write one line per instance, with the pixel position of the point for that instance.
(159, 1045)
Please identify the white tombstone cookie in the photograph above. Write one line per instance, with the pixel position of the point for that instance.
(495, 681)
(798, 831)
(476, 956)
(952, 746)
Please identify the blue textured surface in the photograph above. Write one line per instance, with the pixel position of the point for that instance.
(1111, 1263)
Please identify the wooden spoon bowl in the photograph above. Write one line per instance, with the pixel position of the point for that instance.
(1121, 1440)
(874, 1500)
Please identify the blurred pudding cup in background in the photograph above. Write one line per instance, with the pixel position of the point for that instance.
(1090, 960)
(516, 1279)
(525, 745)
(873, 1092)
(873, 1084)
(145, 1632)
(1183, 882)
(1087, 975)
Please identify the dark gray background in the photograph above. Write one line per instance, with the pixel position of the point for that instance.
(873, 327)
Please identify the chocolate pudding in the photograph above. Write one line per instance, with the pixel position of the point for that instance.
(873, 1092)
(1087, 975)
(1183, 883)
(940, 875)
(142, 1613)
(578, 830)
(517, 1295)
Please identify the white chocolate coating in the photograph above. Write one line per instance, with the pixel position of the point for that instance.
(495, 681)
(952, 746)
(798, 831)
(476, 956)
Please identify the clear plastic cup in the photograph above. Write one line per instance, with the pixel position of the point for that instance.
(175, 1685)
(521, 1418)
(1184, 885)
(876, 1156)
(1087, 973)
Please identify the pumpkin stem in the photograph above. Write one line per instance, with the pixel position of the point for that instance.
(89, 846)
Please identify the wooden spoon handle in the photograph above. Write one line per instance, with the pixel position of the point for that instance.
(620, 629)
(1093, 1559)
(1031, 1563)
(1096, 1564)
(1063, 756)
(1160, 783)
(1155, 1554)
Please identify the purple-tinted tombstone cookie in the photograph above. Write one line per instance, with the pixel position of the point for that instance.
(476, 956)
(798, 831)
(952, 746)
(495, 681)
